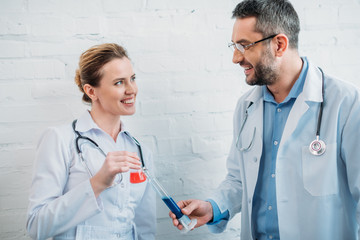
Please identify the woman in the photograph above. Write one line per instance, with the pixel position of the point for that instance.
(79, 190)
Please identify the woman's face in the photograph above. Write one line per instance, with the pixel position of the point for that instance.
(117, 91)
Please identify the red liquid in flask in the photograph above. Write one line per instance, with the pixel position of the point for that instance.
(137, 177)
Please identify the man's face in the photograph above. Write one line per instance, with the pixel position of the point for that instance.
(258, 61)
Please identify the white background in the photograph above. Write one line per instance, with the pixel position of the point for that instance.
(188, 86)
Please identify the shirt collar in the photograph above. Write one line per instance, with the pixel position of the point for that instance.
(86, 123)
(295, 90)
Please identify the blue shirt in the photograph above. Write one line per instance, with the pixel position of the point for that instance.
(264, 215)
(317, 196)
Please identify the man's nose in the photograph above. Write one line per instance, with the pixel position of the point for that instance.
(237, 56)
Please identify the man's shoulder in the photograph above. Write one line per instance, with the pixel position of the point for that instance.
(340, 88)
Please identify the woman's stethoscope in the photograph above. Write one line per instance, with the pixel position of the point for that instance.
(316, 147)
(78, 149)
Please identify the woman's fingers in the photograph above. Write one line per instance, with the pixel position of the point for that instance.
(122, 161)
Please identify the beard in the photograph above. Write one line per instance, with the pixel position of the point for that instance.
(265, 72)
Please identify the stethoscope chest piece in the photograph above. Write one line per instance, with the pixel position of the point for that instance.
(317, 147)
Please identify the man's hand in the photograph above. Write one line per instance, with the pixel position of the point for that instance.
(194, 208)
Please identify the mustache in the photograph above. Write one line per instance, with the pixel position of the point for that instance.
(245, 63)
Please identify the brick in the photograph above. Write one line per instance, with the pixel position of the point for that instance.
(151, 127)
(186, 4)
(224, 121)
(42, 6)
(12, 92)
(29, 69)
(13, 25)
(203, 123)
(73, 48)
(10, 6)
(81, 8)
(12, 49)
(7, 70)
(56, 89)
(52, 27)
(203, 144)
(323, 16)
(34, 113)
(349, 14)
(151, 107)
(88, 25)
(120, 6)
(121, 25)
(20, 134)
(21, 158)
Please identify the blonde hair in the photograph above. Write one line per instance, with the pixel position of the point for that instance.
(91, 62)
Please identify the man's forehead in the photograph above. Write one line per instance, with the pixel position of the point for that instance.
(244, 29)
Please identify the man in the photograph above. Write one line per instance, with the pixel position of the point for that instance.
(285, 185)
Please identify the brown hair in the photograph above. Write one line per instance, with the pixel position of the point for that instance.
(91, 62)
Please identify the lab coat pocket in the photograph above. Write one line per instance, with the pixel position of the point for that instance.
(320, 176)
(89, 232)
(136, 192)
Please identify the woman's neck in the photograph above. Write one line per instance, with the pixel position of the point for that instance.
(108, 123)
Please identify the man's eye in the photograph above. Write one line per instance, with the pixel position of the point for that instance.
(119, 82)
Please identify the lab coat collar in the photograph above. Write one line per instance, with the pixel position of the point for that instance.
(86, 123)
(311, 90)
(255, 95)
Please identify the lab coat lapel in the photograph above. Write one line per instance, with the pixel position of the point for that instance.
(255, 120)
(311, 93)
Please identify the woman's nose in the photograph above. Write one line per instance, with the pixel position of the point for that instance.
(131, 87)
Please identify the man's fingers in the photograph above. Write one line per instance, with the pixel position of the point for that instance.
(189, 207)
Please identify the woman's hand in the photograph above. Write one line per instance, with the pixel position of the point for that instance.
(193, 208)
(115, 162)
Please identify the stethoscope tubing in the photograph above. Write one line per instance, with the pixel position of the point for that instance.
(317, 147)
(78, 150)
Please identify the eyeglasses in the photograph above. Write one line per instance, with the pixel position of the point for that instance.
(242, 48)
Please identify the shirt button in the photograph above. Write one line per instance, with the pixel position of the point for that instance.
(279, 109)
(255, 159)
(249, 200)
(273, 175)
(270, 207)
(276, 143)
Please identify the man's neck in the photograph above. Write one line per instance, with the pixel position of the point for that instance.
(289, 73)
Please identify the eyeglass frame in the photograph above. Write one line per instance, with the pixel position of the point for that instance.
(242, 48)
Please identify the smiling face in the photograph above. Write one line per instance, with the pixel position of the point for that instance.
(258, 61)
(117, 91)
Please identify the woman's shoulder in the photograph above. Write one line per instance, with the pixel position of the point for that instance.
(60, 133)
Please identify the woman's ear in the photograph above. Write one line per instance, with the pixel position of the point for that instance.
(90, 92)
(282, 44)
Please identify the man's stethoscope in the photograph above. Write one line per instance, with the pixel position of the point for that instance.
(83, 161)
(316, 147)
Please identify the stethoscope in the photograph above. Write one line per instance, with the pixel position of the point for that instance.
(316, 147)
(78, 149)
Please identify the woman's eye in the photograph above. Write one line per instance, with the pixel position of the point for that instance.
(119, 82)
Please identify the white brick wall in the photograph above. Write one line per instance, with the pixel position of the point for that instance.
(188, 84)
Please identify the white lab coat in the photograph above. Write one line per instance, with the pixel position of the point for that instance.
(62, 202)
(317, 196)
